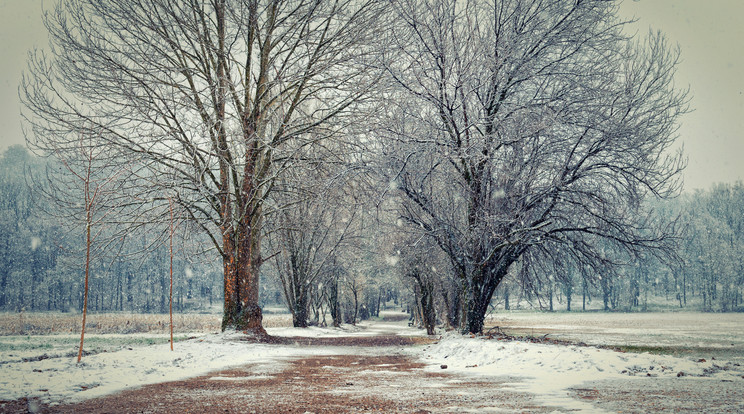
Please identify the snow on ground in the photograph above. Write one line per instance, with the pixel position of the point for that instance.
(361, 329)
(722, 331)
(56, 376)
(16, 348)
(58, 379)
(543, 369)
(318, 332)
(548, 370)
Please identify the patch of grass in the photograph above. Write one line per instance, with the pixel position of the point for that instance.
(63, 344)
(278, 320)
(656, 350)
(45, 323)
(17, 346)
(678, 351)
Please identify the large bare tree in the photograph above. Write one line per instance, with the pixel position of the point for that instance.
(201, 98)
(315, 218)
(518, 127)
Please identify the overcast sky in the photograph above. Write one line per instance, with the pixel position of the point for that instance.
(710, 34)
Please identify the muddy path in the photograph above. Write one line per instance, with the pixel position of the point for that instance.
(374, 375)
(323, 384)
(374, 371)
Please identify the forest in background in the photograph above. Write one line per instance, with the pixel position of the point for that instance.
(449, 157)
(42, 261)
(41, 265)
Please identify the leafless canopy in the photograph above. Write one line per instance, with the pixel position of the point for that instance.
(520, 126)
(206, 100)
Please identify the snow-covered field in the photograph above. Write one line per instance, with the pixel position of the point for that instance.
(61, 379)
(546, 370)
(44, 367)
(549, 371)
(684, 333)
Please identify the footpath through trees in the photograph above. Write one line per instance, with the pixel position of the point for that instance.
(377, 368)
(376, 375)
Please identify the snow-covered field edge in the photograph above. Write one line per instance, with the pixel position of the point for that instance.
(61, 379)
(549, 371)
(55, 378)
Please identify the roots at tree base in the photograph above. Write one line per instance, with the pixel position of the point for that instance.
(247, 319)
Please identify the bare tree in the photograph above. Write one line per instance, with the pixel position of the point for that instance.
(519, 126)
(336, 272)
(318, 221)
(87, 176)
(171, 230)
(208, 92)
(418, 265)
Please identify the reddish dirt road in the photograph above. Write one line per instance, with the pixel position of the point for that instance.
(374, 375)
(374, 379)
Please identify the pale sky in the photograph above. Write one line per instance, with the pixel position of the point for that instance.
(710, 34)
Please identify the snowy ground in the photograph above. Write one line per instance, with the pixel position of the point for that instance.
(44, 367)
(61, 379)
(548, 371)
(684, 333)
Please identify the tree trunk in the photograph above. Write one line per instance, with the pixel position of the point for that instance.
(170, 251)
(163, 294)
(429, 317)
(451, 296)
(87, 272)
(119, 292)
(241, 266)
(333, 304)
(241, 236)
(379, 300)
(3, 288)
(5, 270)
(583, 294)
(299, 313)
(356, 306)
(483, 282)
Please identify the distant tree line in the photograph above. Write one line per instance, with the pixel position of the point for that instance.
(705, 274)
(478, 152)
(41, 266)
(41, 263)
(41, 269)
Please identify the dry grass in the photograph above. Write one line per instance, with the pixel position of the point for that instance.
(119, 323)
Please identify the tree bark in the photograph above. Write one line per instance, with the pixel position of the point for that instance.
(242, 310)
(299, 314)
(333, 304)
(483, 282)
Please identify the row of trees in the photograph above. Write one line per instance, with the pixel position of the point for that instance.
(706, 273)
(42, 256)
(528, 132)
(475, 136)
(713, 249)
(316, 273)
(43, 250)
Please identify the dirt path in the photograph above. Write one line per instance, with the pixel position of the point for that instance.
(377, 378)
(375, 371)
